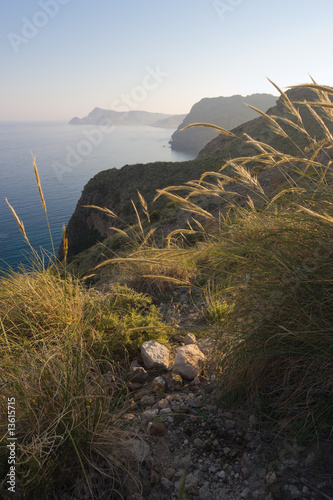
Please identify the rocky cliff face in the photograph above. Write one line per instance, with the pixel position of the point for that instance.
(114, 189)
(227, 112)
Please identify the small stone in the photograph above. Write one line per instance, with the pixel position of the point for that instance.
(134, 386)
(154, 477)
(271, 479)
(148, 416)
(221, 475)
(226, 450)
(138, 374)
(147, 401)
(178, 338)
(157, 429)
(173, 381)
(141, 449)
(158, 385)
(216, 443)
(246, 493)
(190, 338)
(245, 472)
(198, 443)
(293, 491)
(162, 403)
(166, 484)
(229, 424)
(253, 421)
(129, 416)
(165, 411)
(204, 491)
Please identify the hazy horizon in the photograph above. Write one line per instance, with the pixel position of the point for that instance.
(63, 58)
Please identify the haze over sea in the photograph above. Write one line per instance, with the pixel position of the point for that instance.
(67, 157)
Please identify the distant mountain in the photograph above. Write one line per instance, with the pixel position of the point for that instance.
(99, 116)
(227, 112)
(172, 122)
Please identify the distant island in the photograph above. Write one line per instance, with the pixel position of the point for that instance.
(99, 116)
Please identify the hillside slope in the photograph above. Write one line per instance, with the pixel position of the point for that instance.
(227, 112)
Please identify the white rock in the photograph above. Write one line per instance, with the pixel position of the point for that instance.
(190, 338)
(154, 355)
(189, 361)
(158, 385)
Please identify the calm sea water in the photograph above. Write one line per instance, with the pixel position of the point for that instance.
(67, 157)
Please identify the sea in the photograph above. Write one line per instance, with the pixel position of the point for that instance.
(67, 156)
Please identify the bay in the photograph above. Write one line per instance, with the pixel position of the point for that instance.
(67, 157)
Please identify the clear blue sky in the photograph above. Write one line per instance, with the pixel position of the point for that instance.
(61, 58)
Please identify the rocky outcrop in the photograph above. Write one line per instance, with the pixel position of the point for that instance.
(227, 112)
(114, 189)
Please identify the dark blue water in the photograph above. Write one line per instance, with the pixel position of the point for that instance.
(67, 157)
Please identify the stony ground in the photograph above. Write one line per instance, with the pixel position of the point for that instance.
(187, 440)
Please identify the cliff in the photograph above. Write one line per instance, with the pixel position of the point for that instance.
(227, 112)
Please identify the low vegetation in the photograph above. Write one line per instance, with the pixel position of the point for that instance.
(259, 254)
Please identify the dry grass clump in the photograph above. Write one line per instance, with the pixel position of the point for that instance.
(63, 354)
(62, 359)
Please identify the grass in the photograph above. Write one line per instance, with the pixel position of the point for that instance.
(257, 246)
(64, 352)
(272, 257)
(267, 249)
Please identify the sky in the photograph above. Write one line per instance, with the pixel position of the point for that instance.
(62, 58)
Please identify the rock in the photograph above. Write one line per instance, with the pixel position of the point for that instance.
(190, 338)
(293, 491)
(162, 403)
(157, 385)
(141, 449)
(189, 361)
(154, 477)
(134, 386)
(246, 493)
(178, 338)
(166, 484)
(199, 443)
(271, 479)
(221, 475)
(245, 472)
(173, 381)
(253, 421)
(229, 424)
(148, 416)
(147, 401)
(157, 429)
(204, 491)
(155, 355)
(138, 374)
